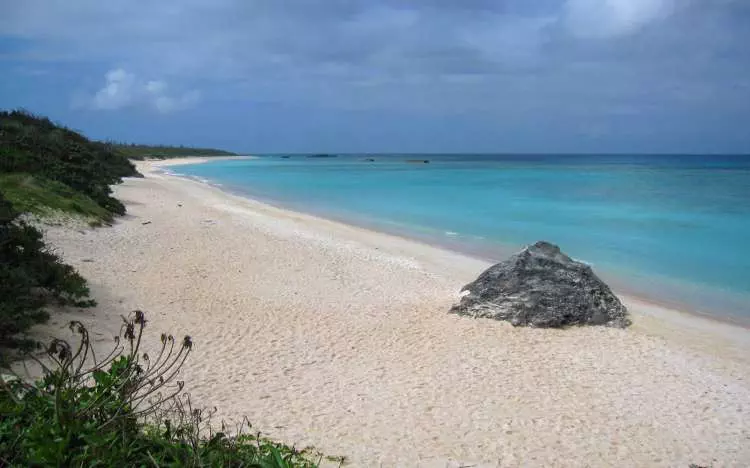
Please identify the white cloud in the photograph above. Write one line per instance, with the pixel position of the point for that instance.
(119, 91)
(604, 18)
(123, 89)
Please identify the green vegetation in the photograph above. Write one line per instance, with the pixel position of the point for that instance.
(46, 197)
(164, 152)
(46, 168)
(125, 410)
(31, 277)
(34, 145)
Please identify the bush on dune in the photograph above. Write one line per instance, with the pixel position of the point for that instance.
(31, 277)
(123, 410)
(30, 194)
(46, 168)
(35, 145)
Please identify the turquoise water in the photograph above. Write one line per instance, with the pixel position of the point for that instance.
(671, 228)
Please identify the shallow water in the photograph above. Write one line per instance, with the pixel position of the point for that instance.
(670, 228)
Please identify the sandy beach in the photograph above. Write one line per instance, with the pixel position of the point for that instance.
(334, 336)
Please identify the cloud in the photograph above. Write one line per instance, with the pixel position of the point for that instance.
(289, 42)
(562, 61)
(119, 91)
(123, 89)
(603, 18)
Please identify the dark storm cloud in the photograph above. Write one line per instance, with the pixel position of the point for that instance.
(576, 60)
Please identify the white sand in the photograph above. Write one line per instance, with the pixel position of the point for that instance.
(189, 160)
(339, 337)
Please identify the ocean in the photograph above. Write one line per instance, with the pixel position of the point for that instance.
(669, 228)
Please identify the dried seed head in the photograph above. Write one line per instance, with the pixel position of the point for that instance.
(140, 318)
(76, 327)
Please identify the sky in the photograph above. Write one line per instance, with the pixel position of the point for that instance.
(270, 76)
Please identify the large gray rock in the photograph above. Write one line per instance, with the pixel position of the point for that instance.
(542, 287)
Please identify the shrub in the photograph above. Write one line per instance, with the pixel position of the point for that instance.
(123, 410)
(31, 277)
(34, 145)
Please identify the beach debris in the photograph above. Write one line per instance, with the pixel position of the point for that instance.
(146, 222)
(179, 205)
(542, 287)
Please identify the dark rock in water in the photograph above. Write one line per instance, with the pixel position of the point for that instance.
(285, 157)
(418, 161)
(542, 287)
(322, 156)
(369, 160)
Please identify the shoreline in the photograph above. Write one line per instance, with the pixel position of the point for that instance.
(625, 293)
(689, 327)
(339, 337)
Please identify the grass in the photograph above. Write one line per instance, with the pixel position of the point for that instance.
(32, 144)
(46, 197)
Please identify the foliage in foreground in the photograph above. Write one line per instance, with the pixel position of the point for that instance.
(125, 409)
(133, 151)
(31, 277)
(31, 144)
